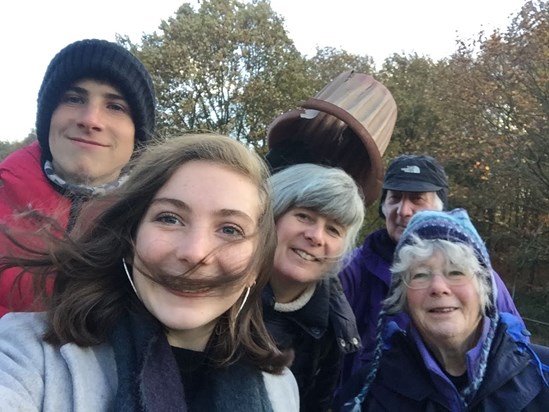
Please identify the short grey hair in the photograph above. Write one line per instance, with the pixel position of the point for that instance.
(327, 190)
(419, 250)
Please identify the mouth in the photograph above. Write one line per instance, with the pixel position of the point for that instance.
(443, 310)
(304, 255)
(89, 142)
(189, 293)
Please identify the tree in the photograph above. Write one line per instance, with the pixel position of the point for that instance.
(328, 62)
(227, 67)
(412, 79)
(496, 98)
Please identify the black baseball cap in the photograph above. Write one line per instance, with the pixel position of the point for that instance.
(415, 173)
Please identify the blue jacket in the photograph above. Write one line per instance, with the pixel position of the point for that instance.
(319, 334)
(366, 280)
(514, 381)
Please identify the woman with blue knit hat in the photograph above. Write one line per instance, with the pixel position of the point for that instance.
(96, 106)
(459, 353)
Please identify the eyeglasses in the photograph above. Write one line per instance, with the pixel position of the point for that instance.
(422, 280)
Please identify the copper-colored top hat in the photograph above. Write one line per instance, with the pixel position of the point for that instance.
(348, 124)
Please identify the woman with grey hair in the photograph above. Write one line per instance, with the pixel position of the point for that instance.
(460, 353)
(318, 212)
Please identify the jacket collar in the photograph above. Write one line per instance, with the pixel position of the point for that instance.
(326, 308)
(312, 317)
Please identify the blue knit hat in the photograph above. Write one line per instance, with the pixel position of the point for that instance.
(454, 226)
(100, 60)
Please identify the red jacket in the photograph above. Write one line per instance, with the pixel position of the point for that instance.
(25, 187)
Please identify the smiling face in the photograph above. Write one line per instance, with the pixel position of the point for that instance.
(187, 227)
(444, 315)
(91, 134)
(309, 244)
(399, 207)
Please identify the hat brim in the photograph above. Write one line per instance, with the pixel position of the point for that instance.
(358, 155)
(411, 186)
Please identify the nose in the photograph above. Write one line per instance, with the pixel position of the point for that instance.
(194, 247)
(314, 233)
(405, 208)
(439, 285)
(90, 117)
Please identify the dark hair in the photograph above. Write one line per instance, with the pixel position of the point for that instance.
(91, 291)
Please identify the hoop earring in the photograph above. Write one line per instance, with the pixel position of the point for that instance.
(129, 277)
(244, 300)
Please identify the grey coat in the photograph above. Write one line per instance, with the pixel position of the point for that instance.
(36, 376)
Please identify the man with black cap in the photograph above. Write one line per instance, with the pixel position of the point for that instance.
(412, 183)
(96, 106)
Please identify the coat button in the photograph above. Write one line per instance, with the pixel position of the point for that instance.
(342, 342)
(354, 341)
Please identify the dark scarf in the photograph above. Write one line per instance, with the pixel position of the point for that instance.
(237, 388)
(149, 379)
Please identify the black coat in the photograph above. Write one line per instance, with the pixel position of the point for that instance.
(320, 334)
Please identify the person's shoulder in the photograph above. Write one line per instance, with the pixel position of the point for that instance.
(23, 323)
(373, 256)
(21, 338)
(21, 165)
(282, 390)
(29, 153)
(358, 257)
(374, 243)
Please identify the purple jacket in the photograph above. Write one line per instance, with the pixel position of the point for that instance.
(366, 280)
(409, 378)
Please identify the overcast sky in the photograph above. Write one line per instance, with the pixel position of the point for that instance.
(33, 31)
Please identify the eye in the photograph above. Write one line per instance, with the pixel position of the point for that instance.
(456, 274)
(393, 198)
(168, 219)
(420, 276)
(233, 231)
(72, 98)
(303, 217)
(118, 107)
(335, 230)
(417, 198)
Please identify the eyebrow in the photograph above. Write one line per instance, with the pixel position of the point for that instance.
(83, 91)
(221, 212)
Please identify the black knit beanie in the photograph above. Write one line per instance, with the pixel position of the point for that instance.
(97, 60)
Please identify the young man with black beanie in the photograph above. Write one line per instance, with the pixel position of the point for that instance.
(95, 107)
(411, 183)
